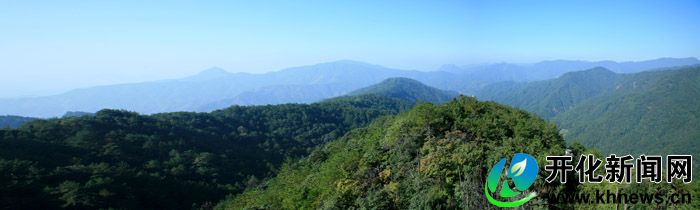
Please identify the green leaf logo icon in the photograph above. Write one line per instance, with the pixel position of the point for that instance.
(522, 173)
(519, 167)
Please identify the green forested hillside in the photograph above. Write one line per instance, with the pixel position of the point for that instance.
(551, 97)
(407, 90)
(14, 121)
(123, 160)
(651, 112)
(655, 112)
(433, 157)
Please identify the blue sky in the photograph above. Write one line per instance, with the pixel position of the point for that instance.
(52, 46)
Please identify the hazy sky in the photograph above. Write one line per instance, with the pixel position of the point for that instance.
(52, 46)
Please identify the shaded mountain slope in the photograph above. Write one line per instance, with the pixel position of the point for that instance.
(14, 121)
(650, 112)
(656, 112)
(551, 97)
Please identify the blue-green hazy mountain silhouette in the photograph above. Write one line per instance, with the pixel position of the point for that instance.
(216, 88)
(10, 121)
(408, 90)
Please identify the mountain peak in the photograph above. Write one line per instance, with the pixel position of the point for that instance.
(590, 73)
(406, 89)
(208, 74)
(598, 69)
(395, 84)
(214, 71)
(401, 80)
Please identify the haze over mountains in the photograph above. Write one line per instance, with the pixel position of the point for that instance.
(401, 159)
(216, 88)
(653, 111)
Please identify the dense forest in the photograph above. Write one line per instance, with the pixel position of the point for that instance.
(654, 112)
(647, 113)
(363, 151)
(550, 97)
(123, 160)
(433, 157)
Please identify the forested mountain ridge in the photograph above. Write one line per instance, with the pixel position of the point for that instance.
(14, 121)
(555, 68)
(280, 94)
(433, 157)
(551, 97)
(655, 112)
(408, 90)
(645, 113)
(119, 159)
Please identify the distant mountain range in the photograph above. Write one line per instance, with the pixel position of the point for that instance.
(555, 68)
(216, 88)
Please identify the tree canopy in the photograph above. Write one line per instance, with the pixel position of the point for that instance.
(120, 159)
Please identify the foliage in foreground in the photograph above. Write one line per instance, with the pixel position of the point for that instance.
(433, 157)
(123, 160)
